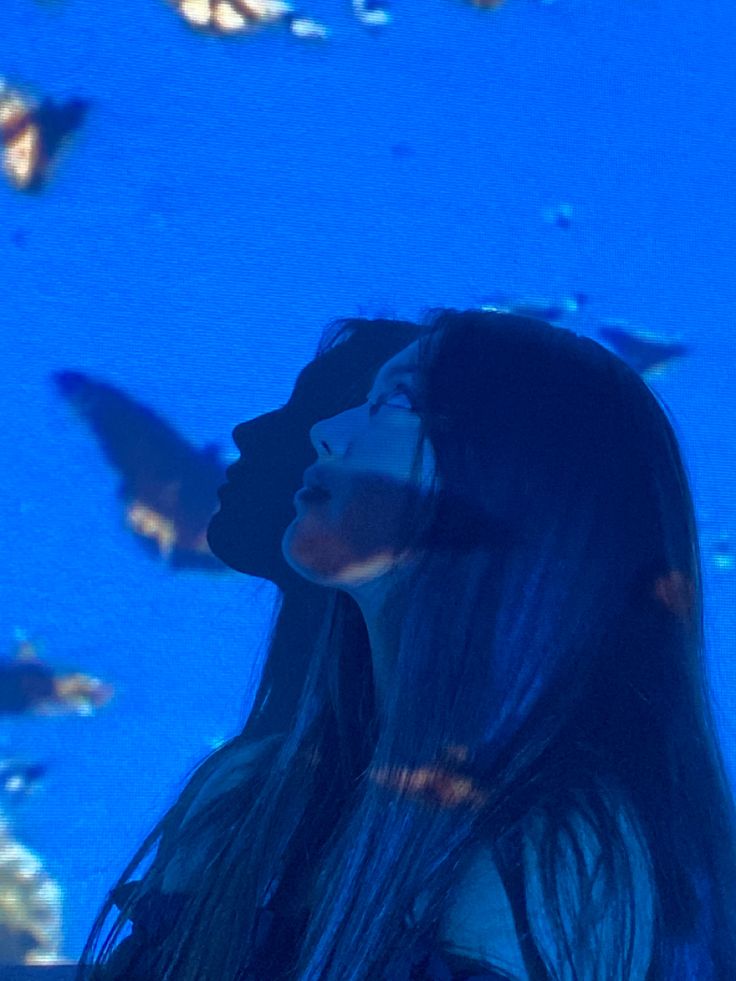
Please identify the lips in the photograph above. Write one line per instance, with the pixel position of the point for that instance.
(233, 477)
(315, 481)
(311, 495)
(314, 490)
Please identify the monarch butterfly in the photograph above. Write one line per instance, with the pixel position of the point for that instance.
(168, 486)
(32, 133)
(224, 17)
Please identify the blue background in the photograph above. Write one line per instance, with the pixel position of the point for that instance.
(228, 197)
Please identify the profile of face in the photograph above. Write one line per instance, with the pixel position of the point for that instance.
(256, 504)
(374, 465)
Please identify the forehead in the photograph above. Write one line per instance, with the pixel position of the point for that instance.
(404, 362)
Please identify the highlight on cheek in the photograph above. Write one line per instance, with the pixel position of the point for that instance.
(357, 573)
(325, 553)
(354, 536)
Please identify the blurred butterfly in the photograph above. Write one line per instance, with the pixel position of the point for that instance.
(32, 134)
(645, 351)
(29, 685)
(168, 487)
(540, 308)
(224, 17)
(371, 13)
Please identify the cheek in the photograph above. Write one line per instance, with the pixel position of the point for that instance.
(353, 536)
(324, 557)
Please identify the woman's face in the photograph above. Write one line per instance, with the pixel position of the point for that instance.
(257, 501)
(373, 466)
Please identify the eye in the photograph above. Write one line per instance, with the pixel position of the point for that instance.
(398, 398)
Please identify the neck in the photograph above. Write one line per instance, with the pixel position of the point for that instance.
(382, 606)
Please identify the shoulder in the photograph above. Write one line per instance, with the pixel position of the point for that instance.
(479, 922)
(224, 771)
(604, 889)
(181, 841)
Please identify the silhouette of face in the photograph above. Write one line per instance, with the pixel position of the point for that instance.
(373, 465)
(257, 502)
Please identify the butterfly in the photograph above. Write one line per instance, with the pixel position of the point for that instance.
(224, 17)
(371, 13)
(168, 486)
(31, 134)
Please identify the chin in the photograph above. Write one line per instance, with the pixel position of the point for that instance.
(250, 554)
(326, 560)
(294, 554)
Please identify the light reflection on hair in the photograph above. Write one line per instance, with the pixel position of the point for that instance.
(438, 784)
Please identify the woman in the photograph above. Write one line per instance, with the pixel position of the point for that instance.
(256, 506)
(503, 762)
(257, 503)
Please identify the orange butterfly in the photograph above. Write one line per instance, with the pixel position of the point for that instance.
(31, 135)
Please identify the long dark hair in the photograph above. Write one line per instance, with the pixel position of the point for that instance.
(551, 662)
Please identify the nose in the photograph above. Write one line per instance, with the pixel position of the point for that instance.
(331, 437)
(318, 437)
